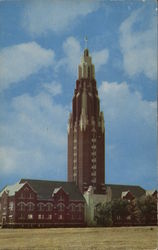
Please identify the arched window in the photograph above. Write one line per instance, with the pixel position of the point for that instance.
(61, 207)
(30, 206)
(21, 206)
(72, 207)
(40, 206)
(49, 207)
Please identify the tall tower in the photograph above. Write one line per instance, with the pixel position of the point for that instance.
(86, 132)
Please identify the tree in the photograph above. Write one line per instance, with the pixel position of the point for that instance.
(148, 210)
(120, 211)
(103, 214)
(135, 213)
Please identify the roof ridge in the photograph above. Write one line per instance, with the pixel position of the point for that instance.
(23, 179)
(128, 185)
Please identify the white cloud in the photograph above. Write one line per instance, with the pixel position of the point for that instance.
(20, 61)
(139, 47)
(54, 88)
(53, 15)
(100, 58)
(72, 54)
(33, 137)
(130, 134)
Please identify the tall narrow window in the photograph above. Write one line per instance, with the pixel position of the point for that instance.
(30, 206)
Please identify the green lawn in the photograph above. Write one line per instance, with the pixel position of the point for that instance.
(129, 238)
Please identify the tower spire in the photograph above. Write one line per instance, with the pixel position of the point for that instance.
(86, 42)
(86, 69)
(86, 132)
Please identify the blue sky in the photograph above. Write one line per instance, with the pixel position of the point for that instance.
(41, 43)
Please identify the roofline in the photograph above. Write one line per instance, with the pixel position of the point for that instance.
(3, 188)
(27, 179)
(124, 185)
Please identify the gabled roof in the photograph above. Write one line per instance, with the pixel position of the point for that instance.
(117, 190)
(123, 194)
(45, 188)
(56, 190)
(11, 189)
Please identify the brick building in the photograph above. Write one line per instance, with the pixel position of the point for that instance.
(42, 203)
(86, 132)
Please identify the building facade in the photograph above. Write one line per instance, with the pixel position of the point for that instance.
(86, 132)
(38, 203)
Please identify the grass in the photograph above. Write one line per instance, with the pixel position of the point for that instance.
(129, 238)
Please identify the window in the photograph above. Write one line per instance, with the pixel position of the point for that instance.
(49, 207)
(93, 153)
(40, 216)
(30, 216)
(30, 196)
(74, 167)
(72, 207)
(11, 205)
(49, 216)
(61, 198)
(21, 206)
(93, 139)
(30, 206)
(93, 173)
(93, 180)
(93, 160)
(60, 217)
(61, 207)
(40, 206)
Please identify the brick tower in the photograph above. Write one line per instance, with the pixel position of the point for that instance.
(86, 132)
